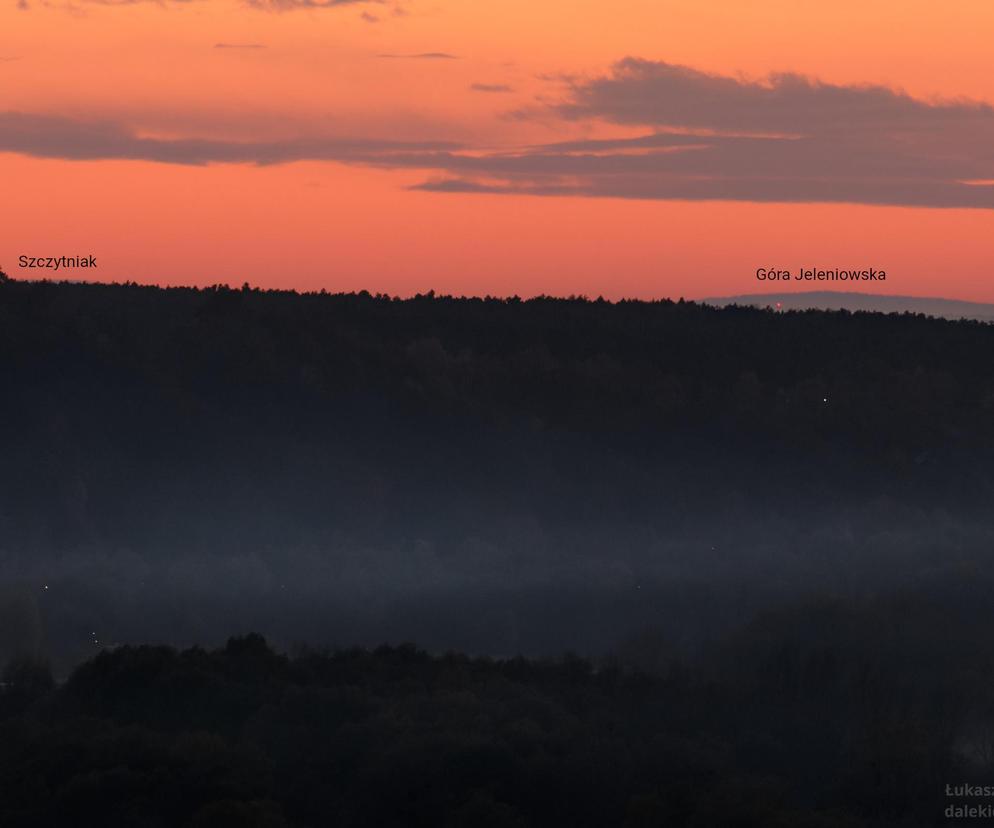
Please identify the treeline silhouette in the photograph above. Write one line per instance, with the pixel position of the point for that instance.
(824, 715)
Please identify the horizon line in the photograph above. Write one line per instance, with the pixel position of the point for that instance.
(431, 293)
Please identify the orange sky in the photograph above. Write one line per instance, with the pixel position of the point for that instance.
(155, 69)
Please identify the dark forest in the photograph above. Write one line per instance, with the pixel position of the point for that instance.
(664, 563)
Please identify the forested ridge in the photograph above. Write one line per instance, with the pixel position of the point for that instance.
(304, 413)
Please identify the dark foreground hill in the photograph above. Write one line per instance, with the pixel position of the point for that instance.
(816, 718)
(494, 475)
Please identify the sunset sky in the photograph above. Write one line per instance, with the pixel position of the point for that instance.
(625, 148)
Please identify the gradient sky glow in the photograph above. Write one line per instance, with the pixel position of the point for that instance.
(624, 148)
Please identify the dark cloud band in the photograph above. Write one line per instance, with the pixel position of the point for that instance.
(785, 138)
(47, 136)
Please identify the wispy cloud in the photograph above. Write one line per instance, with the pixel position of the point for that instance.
(490, 87)
(163, 3)
(420, 56)
(239, 46)
(291, 5)
(263, 5)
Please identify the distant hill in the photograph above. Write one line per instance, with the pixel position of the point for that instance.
(843, 300)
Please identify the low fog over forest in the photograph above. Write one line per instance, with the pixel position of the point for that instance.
(496, 476)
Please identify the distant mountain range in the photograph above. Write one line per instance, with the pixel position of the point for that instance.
(844, 300)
